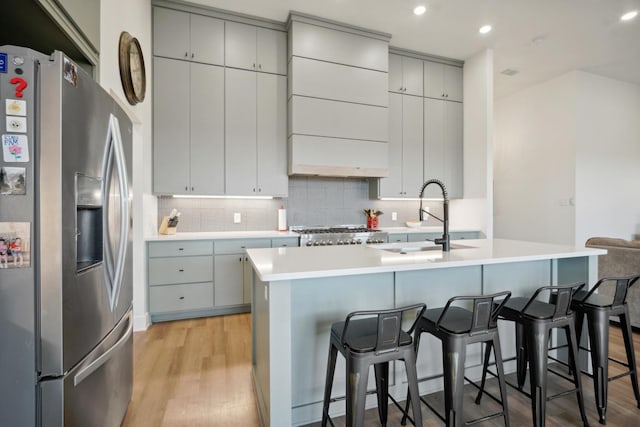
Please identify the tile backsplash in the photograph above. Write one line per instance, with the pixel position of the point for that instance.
(312, 201)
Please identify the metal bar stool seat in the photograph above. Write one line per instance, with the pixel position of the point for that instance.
(597, 308)
(368, 338)
(534, 320)
(457, 327)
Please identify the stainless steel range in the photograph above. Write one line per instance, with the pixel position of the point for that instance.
(339, 235)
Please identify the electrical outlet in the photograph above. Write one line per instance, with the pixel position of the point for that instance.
(237, 218)
(394, 216)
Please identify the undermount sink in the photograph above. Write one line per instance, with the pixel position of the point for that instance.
(406, 248)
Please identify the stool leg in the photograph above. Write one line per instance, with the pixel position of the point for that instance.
(598, 327)
(453, 358)
(521, 355)
(414, 394)
(416, 345)
(628, 346)
(357, 376)
(536, 341)
(573, 362)
(382, 390)
(485, 368)
(501, 381)
(328, 383)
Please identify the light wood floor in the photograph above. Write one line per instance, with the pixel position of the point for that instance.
(197, 373)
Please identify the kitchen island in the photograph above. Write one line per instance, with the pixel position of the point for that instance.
(299, 292)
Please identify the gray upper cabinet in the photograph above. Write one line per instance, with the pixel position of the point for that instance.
(443, 145)
(405, 75)
(188, 150)
(186, 36)
(442, 81)
(405, 147)
(255, 128)
(254, 48)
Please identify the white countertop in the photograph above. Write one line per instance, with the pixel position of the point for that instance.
(270, 234)
(210, 235)
(326, 261)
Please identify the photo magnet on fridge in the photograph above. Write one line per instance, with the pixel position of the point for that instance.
(15, 148)
(13, 181)
(15, 243)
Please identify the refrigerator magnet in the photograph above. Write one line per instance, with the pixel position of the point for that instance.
(13, 181)
(15, 107)
(15, 243)
(15, 148)
(16, 124)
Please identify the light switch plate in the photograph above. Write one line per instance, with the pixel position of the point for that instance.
(394, 216)
(237, 218)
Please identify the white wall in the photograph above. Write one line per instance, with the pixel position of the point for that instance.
(476, 209)
(534, 162)
(608, 158)
(133, 16)
(567, 160)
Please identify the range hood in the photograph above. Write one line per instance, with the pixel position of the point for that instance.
(338, 99)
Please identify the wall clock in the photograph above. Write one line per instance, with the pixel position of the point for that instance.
(132, 71)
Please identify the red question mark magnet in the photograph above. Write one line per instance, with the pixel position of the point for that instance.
(21, 85)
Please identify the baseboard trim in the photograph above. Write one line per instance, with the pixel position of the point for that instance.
(141, 322)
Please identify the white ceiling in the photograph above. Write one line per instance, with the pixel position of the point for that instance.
(578, 34)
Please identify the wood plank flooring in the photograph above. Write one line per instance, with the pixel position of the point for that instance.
(198, 373)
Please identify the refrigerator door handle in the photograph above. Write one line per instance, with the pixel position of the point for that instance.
(104, 357)
(115, 151)
(124, 210)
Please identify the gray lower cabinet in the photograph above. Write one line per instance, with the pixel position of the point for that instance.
(454, 235)
(443, 146)
(230, 271)
(397, 238)
(180, 277)
(188, 144)
(255, 128)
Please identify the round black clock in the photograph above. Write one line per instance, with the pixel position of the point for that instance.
(132, 71)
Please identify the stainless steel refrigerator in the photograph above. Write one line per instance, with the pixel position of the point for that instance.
(65, 246)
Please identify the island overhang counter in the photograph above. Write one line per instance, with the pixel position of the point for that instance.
(299, 292)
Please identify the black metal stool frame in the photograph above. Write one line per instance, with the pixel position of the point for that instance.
(386, 347)
(480, 326)
(533, 328)
(597, 314)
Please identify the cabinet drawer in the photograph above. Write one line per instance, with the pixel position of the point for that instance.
(239, 245)
(395, 238)
(419, 237)
(465, 235)
(285, 242)
(194, 296)
(183, 248)
(163, 271)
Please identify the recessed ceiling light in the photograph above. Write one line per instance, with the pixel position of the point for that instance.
(485, 29)
(629, 15)
(419, 10)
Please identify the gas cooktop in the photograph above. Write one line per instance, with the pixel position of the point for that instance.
(339, 235)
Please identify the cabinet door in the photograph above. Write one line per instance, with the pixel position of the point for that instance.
(412, 145)
(240, 45)
(434, 144)
(433, 80)
(240, 132)
(453, 146)
(247, 280)
(170, 127)
(391, 186)
(395, 74)
(207, 40)
(170, 34)
(272, 135)
(207, 129)
(412, 76)
(453, 83)
(271, 51)
(228, 287)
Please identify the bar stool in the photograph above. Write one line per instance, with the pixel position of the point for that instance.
(368, 338)
(534, 321)
(457, 327)
(598, 307)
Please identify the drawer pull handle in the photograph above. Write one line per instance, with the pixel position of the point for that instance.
(181, 249)
(181, 298)
(181, 270)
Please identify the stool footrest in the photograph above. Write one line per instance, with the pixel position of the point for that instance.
(616, 377)
(495, 399)
(562, 394)
(560, 374)
(339, 398)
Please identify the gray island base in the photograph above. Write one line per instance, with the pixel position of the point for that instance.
(299, 292)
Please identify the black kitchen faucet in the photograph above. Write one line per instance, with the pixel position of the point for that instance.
(444, 241)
